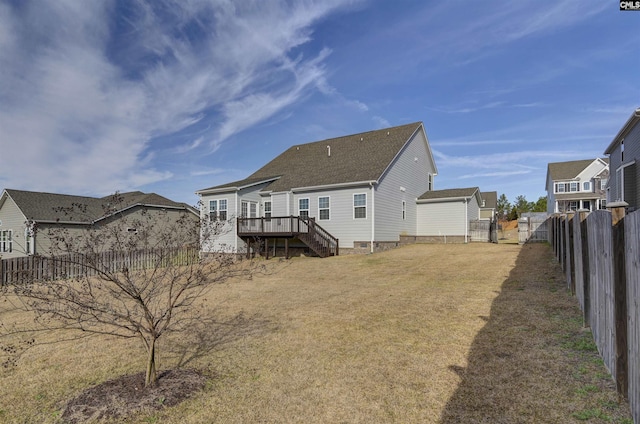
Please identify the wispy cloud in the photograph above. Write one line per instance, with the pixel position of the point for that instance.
(86, 89)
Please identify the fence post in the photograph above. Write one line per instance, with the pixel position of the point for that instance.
(586, 309)
(620, 296)
(570, 253)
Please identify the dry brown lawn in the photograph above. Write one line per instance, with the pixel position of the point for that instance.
(475, 333)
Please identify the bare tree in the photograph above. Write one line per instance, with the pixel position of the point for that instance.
(131, 273)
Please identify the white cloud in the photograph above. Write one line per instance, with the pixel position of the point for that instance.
(87, 89)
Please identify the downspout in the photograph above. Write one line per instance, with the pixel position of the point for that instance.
(466, 220)
(236, 224)
(373, 214)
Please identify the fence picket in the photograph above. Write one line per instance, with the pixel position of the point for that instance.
(39, 268)
(598, 265)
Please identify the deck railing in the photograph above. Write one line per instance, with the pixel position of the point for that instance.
(306, 229)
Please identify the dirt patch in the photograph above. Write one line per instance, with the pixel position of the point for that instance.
(126, 396)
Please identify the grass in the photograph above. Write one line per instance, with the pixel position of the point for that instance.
(420, 334)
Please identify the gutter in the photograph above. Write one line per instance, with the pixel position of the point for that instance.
(443, 199)
(330, 186)
(633, 119)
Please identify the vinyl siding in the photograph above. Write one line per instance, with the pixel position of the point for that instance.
(473, 210)
(228, 241)
(405, 180)
(448, 216)
(442, 218)
(341, 223)
(13, 219)
(280, 206)
(589, 174)
(632, 175)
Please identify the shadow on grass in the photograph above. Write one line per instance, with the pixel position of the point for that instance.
(527, 364)
(213, 333)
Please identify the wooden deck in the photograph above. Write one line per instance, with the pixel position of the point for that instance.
(253, 230)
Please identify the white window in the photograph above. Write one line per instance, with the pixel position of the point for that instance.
(303, 208)
(603, 183)
(360, 205)
(253, 210)
(213, 210)
(6, 241)
(222, 213)
(218, 210)
(586, 186)
(574, 186)
(267, 209)
(323, 208)
(404, 210)
(573, 205)
(586, 204)
(560, 187)
(28, 241)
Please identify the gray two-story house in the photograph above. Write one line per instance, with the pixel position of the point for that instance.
(624, 153)
(358, 191)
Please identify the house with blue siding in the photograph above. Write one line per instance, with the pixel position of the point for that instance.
(624, 155)
(357, 192)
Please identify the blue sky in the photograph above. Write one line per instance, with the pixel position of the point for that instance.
(174, 96)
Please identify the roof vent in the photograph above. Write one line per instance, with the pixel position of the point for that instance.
(329, 151)
(387, 132)
(361, 138)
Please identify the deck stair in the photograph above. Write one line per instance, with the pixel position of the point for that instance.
(319, 240)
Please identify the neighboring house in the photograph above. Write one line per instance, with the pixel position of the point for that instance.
(447, 213)
(360, 188)
(624, 153)
(20, 210)
(489, 205)
(578, 184)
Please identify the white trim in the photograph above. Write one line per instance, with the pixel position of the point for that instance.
(328, 208)
(308, 206)
(620, 187)
(236, 238)
(373, 220)
(264, 207)
(234, 188)
(466, 220)
(444, 199)
(331, 186)
(353, 205)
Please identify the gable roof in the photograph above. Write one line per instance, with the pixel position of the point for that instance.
(628, 126)
(451, 193)
(569, 170)
(355, 158)
(46, 207)
(490, 199)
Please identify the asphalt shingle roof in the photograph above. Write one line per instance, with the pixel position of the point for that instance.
(448, 193)
(41, 206)
(490, 199)
(352, 158)
(568, 170)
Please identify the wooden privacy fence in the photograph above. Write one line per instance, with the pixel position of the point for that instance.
(40, 268)
(532, 226)
(600, 255)
(483, 230)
